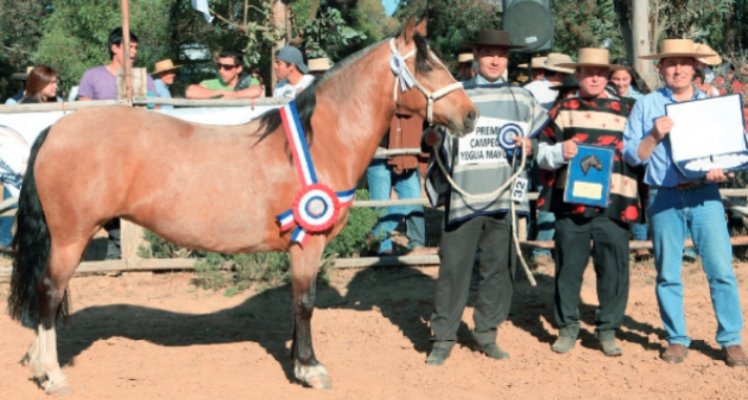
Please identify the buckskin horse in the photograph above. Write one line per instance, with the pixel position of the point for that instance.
(214, 188)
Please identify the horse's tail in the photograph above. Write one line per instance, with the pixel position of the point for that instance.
(31, 247)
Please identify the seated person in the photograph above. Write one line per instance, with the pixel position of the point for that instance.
(230, 84)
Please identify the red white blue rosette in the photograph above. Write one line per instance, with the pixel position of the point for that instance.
(316, 208)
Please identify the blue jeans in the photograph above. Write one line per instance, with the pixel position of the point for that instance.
(545, 226)
(6, 225)
(672, 213)
(407, 185)
(639, 231)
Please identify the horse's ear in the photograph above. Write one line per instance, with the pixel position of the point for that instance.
(413, 28)
(406, 34)
(421, 27)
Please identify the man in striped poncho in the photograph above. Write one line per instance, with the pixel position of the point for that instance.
(596, 118)
(479, 163)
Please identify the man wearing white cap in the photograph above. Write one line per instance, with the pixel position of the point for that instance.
(593, 118)
(291, 71)
(554, 76)
(680, 205)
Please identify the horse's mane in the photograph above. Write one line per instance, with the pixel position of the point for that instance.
(306, 101)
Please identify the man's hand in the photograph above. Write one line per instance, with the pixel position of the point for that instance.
(662, 127)
(718, 175)
(569, 149)
(524, 143)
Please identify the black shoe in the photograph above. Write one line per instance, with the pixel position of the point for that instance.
(491, 350)
(438, 355)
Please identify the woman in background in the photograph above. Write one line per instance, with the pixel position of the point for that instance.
(41, 85)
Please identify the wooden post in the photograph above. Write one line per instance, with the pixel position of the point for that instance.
(280, 21)
(640, 30)
(126, 48)
(131, 237)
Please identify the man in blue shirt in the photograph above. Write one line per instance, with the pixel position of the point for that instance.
(681, 204)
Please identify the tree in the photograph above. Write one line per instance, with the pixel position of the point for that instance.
(20, 31)
(76, 33)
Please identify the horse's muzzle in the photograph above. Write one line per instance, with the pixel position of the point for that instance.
(467, 126)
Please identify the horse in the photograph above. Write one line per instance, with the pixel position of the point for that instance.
(215, 188)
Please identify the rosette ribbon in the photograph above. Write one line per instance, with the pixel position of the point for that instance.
(316, 206)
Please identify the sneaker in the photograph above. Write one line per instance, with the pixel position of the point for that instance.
(735, 357)
(674, 354)
(492, 350)
(438, 355)
(563, 344)
(610, 348)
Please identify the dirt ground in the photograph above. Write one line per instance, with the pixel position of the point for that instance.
(157, 336)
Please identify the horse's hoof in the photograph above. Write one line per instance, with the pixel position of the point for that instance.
(314, 376)
(57, 389)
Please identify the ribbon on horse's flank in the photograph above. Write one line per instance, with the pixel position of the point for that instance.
(316, 206)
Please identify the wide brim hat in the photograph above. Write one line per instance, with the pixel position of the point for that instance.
(535, 63)
(494, 38)
(569, 83)
(465, 57)
(554, 60)
(319, 64)
(677, 48)
(22, 76)
(590, 57)
(164, 66)
(713, 59)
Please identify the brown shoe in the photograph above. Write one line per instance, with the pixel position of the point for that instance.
(735, 357)
(674, 354)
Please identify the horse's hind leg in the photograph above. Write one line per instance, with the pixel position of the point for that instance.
(52, 291)
(304, 267)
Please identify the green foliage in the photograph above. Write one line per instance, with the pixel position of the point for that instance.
(327, 35)
(353, 239)
(76, 33)
(588, 23)
(700, 20)
(20, 31)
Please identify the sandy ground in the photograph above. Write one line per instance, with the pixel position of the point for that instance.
(157, 336)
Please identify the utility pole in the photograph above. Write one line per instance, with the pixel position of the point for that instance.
(280, 22)
(640, 32)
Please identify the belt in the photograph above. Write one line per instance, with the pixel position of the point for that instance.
(683, 186)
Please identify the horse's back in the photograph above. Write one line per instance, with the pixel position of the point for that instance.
(198, 185)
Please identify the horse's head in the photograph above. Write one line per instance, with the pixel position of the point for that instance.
(424, 84)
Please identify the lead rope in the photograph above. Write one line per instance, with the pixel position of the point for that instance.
(493, 195)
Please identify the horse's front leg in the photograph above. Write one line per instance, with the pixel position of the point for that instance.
(304, 267)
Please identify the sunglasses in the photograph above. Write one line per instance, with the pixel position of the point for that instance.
(227, 67)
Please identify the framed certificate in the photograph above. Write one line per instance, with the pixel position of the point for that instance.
(588, 176)
(708, 133)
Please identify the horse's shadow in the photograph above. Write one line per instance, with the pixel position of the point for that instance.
(260, 319)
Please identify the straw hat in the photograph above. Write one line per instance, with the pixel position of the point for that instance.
(465, 57)
(164, 66)
(677, 48)
(319, 64)
(590, 57)
(714, 59)
(535, 63)
(20, 76)
(554, 60)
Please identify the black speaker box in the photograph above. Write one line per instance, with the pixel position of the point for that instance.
(530, 24)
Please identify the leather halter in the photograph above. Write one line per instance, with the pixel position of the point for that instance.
(405, 80)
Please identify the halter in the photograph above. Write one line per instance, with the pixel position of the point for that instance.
(406, 80)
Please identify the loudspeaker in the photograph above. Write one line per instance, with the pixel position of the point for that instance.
(529, 23)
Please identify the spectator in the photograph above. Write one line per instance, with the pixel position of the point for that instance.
(165, 71)
(291, 73)
(682, 205)
(593, 118)
(19, 76)
(318, 66)
(471, 223)
(537, 70)
(466, 68)
(41, 85)
(230, 84)
(401, 173)
(553, 75)
(100, 83)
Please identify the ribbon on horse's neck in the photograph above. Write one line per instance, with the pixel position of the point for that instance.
(406, 80)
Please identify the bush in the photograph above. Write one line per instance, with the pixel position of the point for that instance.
(238, 272)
